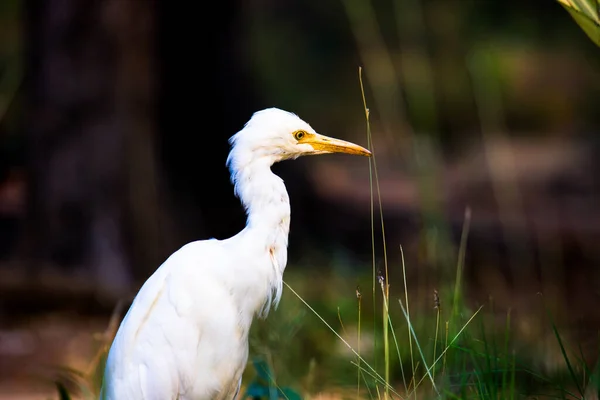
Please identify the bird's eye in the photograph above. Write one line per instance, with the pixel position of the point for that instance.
(299, 135)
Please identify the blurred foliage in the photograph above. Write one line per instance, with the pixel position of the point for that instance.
(428, 44)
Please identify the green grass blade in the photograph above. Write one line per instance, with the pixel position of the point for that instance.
(443, 353)
(585, 14)
(566, 357)
(410, 346)
(460, 263)
(412, 331)
(371, 202)
(375, 373)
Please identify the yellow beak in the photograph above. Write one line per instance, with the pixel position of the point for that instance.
(331, 145)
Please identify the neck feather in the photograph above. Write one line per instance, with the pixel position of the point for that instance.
(266, 201)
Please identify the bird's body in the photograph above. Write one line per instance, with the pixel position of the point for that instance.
(185, 335)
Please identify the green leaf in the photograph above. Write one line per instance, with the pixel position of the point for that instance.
(585, 13)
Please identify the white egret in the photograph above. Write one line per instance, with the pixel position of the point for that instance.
(185, 335)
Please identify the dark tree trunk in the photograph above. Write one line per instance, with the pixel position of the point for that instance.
(207, 94)
(90, 133)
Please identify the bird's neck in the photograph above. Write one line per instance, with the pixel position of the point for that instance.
(267, 205)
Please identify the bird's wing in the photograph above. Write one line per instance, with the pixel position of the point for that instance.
(126, 371)
(175, 337)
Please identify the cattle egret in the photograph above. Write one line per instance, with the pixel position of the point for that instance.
(185, 335)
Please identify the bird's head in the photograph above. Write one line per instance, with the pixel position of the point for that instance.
(274, 135)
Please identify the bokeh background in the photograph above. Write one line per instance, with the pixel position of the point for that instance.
(114, 120)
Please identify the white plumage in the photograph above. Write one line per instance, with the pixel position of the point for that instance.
(186, 334)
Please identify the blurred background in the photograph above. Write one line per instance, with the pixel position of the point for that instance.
(114, 120)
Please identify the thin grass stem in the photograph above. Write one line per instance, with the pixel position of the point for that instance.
(340, 337)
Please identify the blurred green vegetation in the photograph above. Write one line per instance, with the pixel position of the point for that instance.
(415, 52)
(487, 359)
